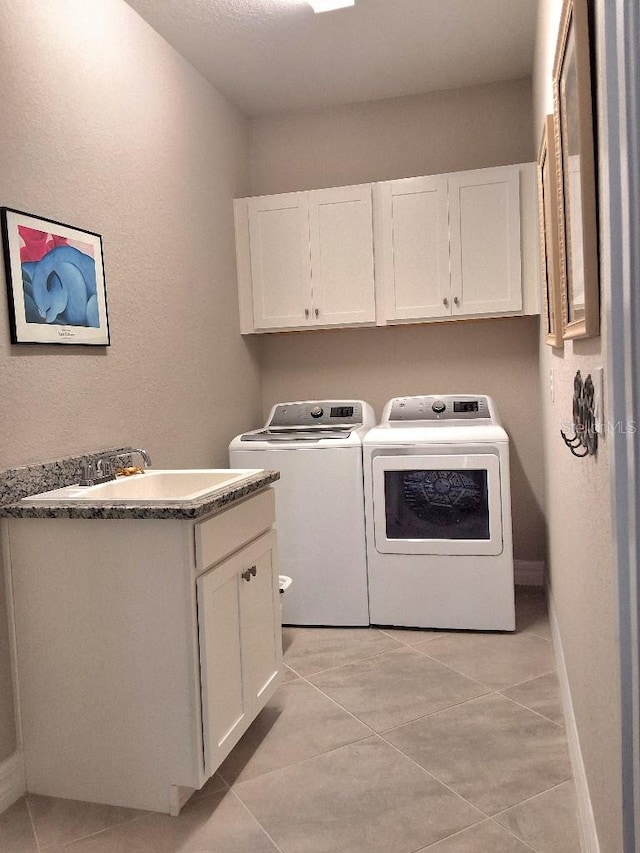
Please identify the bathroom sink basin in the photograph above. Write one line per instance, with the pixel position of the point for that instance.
(152, 487)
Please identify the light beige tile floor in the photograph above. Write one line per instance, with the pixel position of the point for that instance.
(377, 741)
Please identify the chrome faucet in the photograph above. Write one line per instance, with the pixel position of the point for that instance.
(103, 469)
(146, 459)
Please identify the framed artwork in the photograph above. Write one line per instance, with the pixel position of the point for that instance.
(548, 226)
(574, 137)
(55, 281)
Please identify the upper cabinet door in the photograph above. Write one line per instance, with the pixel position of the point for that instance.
(414, 248)
(280, 263)
(341, 237)
(484, 212)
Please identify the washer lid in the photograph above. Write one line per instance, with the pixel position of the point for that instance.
(298, 434)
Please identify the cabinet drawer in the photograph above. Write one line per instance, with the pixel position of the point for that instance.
(224, 533)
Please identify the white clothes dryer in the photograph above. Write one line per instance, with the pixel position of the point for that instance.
(317, 447)
(438, 515)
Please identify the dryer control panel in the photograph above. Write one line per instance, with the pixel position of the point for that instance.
(439, 408)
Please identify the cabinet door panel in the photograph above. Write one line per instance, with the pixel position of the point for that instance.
(415, 248)
(280, 261)
(260, 631)
(484, 208)
(341, 234)
(223, 705)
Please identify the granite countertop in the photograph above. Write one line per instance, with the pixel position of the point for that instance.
(18, 483)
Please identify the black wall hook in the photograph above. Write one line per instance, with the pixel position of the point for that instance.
(584, 418)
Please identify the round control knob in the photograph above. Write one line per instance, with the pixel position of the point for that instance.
(438, 407)
(317, 412)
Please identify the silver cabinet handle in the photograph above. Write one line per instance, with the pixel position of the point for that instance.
(306, 312)
(456, 301)
(246, 575)
(445, 301)
(317, 312)
(253, 570)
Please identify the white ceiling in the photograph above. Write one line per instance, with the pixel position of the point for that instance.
(267, 56)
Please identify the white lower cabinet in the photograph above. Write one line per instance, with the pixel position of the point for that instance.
(239, 644)
(144, 648)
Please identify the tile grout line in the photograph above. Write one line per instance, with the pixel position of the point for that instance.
(533, 710)
(69, 842)
(441, 782)
(474, 826)
(457, 671)
(513, 835)
(533, 797)
(471, 678)
(33, 823)
(348, 663)
(439, 711)
(527, 680)
(254, 818)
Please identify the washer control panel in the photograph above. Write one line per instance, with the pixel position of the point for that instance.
(328, 413)
(443, 408)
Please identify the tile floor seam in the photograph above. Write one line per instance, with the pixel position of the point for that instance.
(431, 773)
(233, 786)
(488, 692)
(471, 678)
(513, 835)
(338, 705)
(33, 823)
(441, 781)
(527, 708)
(475, 825)
(533, 797)
(71, 841)
(527, 680)
(457, 671)
(254, 818)
(332, 668)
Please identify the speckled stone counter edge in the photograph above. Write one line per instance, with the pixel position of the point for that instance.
(18, 483)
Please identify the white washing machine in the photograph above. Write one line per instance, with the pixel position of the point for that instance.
(317, 447)
(438, 515)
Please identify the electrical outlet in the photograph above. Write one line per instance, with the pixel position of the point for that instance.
(552, 393)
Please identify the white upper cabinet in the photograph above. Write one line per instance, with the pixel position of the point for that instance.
(464, 244)
(413, 248)
(280, 267)
(458, 245)
(484, 234)
(305, 260)
(341, 237)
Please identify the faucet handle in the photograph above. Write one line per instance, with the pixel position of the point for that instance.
(88, 474)
(104, 467)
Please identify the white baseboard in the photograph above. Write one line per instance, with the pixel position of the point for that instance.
(586, 822)
(12, 781)
(528, 572)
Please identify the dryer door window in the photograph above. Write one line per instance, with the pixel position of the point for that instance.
(437, 504)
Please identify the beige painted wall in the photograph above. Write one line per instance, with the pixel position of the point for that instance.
(580, 563)
(394, 138)
(445, 131)
(104, 126)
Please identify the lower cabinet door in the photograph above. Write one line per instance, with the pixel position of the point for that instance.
(260, 629)
(220, 664)
(240, 644)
